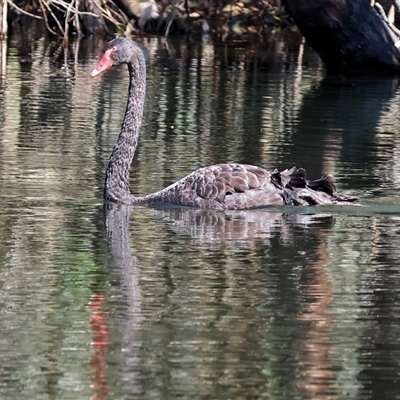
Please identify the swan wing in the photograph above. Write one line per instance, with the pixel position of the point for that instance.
(228, 186)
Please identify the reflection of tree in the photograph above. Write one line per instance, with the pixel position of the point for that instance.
(340, 119)
(317, 372)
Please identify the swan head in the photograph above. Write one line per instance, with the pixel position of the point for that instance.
(117, 51)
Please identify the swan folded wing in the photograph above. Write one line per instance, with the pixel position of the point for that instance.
(231, 178)
(254, 198)
(232, 186)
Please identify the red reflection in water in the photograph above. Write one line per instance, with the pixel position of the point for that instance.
(316, 376)
(100, 343)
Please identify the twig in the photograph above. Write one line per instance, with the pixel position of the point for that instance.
(45, 18)
(57, 7)
(170, 21)
(76, 11)
(111, 19)
(397, 5)
(119, 12)
(78, 25)
(3, 19)
(55, 18)
(66, 6)
(66, 23)
(21, 10)
(107, 10)
(381, 12)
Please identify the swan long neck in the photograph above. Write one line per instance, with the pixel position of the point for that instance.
(116, 186)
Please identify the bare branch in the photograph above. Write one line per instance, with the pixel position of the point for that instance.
(105, 15)
(63, 12)
(120, 13)
(77, 22)
(10, 3)
(66, 27)
(45, 18)
(73, 9)
(55, 18)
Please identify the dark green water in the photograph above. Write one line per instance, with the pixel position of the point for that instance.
(136, 303)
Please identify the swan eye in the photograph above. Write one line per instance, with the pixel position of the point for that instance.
(114, 48)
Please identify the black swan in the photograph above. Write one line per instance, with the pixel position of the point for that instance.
(222, 186)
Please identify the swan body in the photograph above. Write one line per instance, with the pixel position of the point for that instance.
(222, 186)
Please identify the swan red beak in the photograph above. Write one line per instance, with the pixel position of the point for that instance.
(104, 64)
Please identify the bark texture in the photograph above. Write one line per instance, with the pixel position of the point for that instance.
(348, 35)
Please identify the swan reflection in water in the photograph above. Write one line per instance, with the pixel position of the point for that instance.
(166, 302)
(237, 227)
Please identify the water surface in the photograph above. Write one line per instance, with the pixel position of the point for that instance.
(120, 303)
